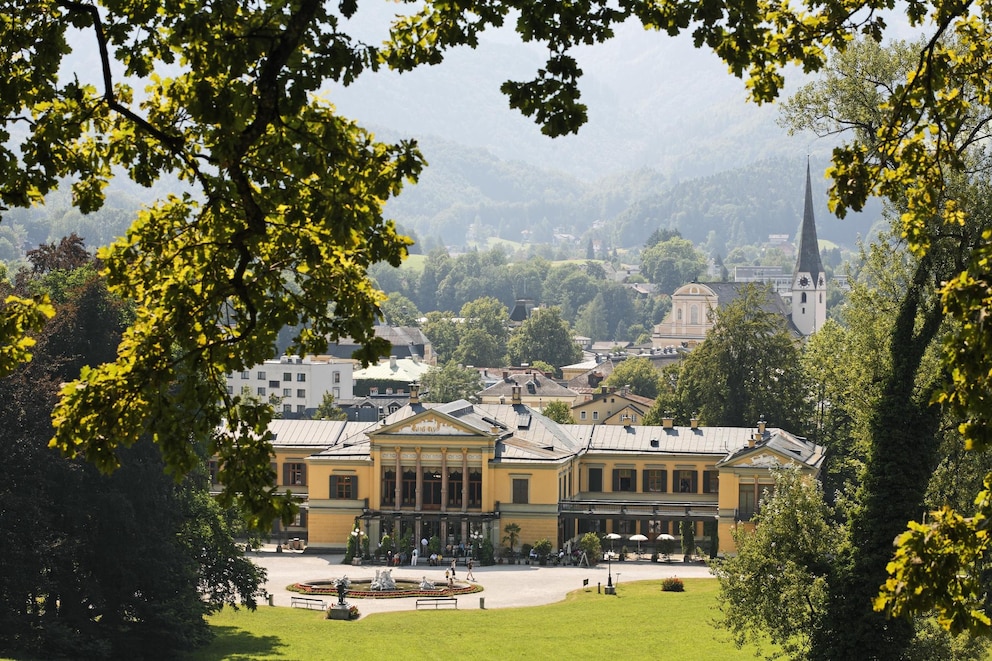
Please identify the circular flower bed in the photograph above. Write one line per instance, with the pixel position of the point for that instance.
(405, 588)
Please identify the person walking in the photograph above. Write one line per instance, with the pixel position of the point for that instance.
(453, 561)
(468, 565)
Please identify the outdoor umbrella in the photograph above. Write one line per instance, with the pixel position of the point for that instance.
(611, 537)
(638, 539)
(665, 537)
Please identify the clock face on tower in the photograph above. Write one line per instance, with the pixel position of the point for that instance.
(804, 281)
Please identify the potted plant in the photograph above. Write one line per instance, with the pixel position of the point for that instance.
(542, 548)
(512, 531)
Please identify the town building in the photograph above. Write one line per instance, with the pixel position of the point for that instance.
(390, 376)
(532, 388)
(464, 471)
(612, 406)
(298, 384)
(406, 341)
(696, 305)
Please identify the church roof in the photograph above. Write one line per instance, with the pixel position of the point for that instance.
(808, 260)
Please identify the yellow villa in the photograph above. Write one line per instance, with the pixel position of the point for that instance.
(464, 471)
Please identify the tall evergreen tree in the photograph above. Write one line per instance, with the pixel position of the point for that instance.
(98, 566)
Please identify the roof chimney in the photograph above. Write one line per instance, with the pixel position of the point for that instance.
(392, 362)
(693, 422)
(515, 396)
(750, 441)
(414, 393)
(667, 422)
(761, 425)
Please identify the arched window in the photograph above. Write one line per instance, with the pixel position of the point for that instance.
(678, 314)
(803, 299)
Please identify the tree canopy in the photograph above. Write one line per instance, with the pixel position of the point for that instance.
(546, 337)
(451, 382)
(639, 374)
(284, 213)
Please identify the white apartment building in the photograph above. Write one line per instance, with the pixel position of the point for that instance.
(299, 383)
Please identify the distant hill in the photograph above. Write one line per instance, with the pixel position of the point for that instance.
(670, 142)
(468, 195)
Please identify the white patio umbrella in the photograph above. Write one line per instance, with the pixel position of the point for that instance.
(665, 537)
(638, 538)
(611, 537)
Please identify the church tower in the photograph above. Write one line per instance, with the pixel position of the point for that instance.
(809, 281)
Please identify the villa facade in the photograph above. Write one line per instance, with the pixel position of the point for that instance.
(464, 471)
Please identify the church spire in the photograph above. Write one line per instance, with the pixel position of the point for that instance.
(809, 282)
(808, 260)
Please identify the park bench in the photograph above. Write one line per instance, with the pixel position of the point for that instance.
(308, 602)
(437, 602)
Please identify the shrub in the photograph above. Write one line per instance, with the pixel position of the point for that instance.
(353, 613)
(591, 547)
(543, 548)
(673, 584)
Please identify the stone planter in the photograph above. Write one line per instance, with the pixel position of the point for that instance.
(339, 612)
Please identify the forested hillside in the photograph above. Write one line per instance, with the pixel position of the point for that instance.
(467, 196)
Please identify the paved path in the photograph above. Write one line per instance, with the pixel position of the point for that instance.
(506, 586)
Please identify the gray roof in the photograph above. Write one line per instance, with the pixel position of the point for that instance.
(532, 385)
(526, 436)
(717, 441)
(313, 433)
(405, 340)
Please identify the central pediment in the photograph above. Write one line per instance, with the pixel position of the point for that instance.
(428, 423)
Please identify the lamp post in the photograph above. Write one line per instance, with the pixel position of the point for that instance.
(357, 534)
(476, 537)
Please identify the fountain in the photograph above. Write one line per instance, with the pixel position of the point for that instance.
(382, 585)
(383, 581)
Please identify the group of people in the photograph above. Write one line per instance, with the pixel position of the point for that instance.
(449, 573)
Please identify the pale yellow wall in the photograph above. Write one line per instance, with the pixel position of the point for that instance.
(532, 529)
(292, 455)
(329, 527)
(674, 330)
(543, 483)
(604, 408)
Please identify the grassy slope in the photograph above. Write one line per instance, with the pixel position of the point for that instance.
(641, 622)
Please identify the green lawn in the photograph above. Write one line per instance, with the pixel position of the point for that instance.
(640, 622)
